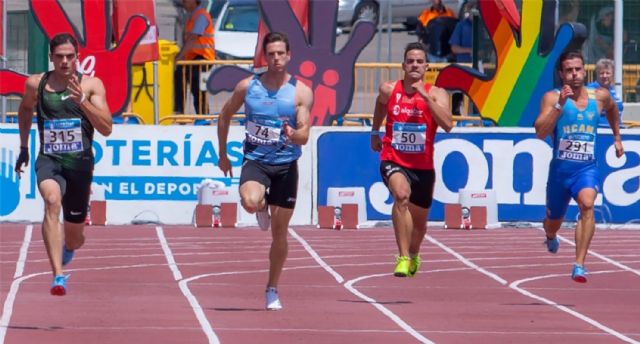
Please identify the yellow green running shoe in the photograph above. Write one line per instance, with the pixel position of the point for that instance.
(402, 266)
(414, 265)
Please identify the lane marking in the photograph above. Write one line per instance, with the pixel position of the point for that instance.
(177, 275)
(316, 257)
(171, 262)
(7, 310)
(602, 257)
(466, 261)
(516, 286)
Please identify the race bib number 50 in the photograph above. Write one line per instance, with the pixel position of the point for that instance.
(409, 137)
(263, 131)
(62, 136)
(577, 147)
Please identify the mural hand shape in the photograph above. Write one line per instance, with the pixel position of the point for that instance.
(524, 70)
(97, 57)
(11, 83)
(330, 73)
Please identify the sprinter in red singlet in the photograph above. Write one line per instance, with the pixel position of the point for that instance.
(414, 110)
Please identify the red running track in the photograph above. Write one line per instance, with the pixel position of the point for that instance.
(186, 285)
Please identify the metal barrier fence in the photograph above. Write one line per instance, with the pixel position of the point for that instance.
(367, 77)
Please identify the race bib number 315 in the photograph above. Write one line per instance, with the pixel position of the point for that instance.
(577, 147)
(62, 136)
(409, 137)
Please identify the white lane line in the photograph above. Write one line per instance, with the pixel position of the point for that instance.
(602, 257)
(315, 256)
(516, 286)
(7, 310)
(466, 261)
(24, 249)
(177, 275)
(349, 286)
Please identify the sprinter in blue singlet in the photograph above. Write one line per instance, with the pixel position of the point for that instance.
(570, 115)
(277, 124)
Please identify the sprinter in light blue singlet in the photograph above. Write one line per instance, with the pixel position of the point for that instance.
(267, 112)
(277, 124)
(570, 115)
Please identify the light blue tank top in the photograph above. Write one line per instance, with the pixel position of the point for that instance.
(574, 137)
(266, 112)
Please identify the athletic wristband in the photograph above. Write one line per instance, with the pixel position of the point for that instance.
(375, 132)
(557, 106)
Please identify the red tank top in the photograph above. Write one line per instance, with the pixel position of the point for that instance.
(410, 130)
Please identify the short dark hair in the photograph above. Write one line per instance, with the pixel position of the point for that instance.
(414, 46)
(568, 55)
(275, 37)
(60, 39)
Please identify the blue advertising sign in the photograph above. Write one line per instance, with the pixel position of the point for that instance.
(513, 162)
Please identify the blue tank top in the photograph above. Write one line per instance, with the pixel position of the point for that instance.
(266, 112)
(574, 137)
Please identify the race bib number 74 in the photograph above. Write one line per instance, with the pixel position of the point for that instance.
(264, 131)
(62, 136)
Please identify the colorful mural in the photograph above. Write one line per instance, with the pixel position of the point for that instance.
(314, 61)
(526, 56)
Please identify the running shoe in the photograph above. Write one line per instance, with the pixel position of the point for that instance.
(579, 273)
(414, 265)
(402, 266)
(264, 219)
(552, 244)
(272, 300)
(67, 255)
(59, 285)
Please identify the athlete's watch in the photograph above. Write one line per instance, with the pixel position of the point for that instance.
(557, 106)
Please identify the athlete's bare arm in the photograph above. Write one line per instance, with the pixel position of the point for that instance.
(224, 119)
(611, 110)
(91, 97)
(438, 100)
(379, 113)
(25, 110)
(304, 101)
(548, 116)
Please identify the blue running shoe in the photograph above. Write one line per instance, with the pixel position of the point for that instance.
(579, 273)
(552, 244)
(67, 255)
(59, 285)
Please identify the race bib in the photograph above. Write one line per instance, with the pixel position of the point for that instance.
(62, 136)
(409, 137)
(263, 131)
(577, 147)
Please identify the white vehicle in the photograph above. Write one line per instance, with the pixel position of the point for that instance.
(236, 30)
(402, 11)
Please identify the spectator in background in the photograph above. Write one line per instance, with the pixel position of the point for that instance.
(197, 44)
(462, 35)
(601, 35)
(604, 79)
(435, 33)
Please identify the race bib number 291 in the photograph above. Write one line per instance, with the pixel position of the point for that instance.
(62, 136)
(577, 147)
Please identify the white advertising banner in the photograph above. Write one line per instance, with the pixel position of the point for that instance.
(149, 174)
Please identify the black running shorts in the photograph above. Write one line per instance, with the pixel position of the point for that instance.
(421, 182)
(75, 187)
(281, 181)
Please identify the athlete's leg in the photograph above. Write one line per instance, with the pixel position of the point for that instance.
(51, 232)
(280, 218)
(400, 215)
(586, 226)
(419, 217)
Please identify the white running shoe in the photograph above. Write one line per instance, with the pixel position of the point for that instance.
(273, 302)
(264, 219)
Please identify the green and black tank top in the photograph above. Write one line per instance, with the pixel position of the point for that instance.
(66, 135)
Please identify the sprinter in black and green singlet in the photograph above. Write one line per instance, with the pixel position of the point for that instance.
(69, 108)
